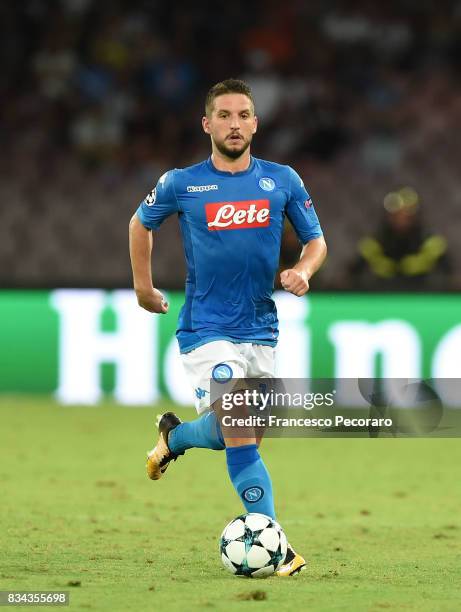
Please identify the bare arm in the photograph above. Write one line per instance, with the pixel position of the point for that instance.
(140, 253)
(296, 279)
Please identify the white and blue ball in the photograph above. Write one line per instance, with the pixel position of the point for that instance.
(253, 545)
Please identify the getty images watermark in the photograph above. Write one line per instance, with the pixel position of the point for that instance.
(337, 407)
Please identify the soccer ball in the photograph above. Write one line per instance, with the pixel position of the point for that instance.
(253, 545)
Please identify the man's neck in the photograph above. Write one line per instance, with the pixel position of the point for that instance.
(225, 164)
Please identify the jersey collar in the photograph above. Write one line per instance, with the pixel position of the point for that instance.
(213, 169)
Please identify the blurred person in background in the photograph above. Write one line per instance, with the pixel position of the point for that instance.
(402, 254)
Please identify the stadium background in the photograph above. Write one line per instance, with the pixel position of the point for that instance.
(98, 99)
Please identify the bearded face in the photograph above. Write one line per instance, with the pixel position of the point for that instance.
(231, 124)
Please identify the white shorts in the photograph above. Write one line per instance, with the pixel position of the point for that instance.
(224, 359)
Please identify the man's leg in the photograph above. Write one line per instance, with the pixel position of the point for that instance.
(261, 364)
(175, 437)
(249, 475)
(200, 366)
(246, 469)
(204, 432)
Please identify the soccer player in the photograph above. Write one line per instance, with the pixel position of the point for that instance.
(231, 209)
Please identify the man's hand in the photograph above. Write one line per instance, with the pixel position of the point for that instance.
(140, 252)
(152, 301)
(294, 281)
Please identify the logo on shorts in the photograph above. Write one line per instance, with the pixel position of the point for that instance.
(253, 494)
(222, 373)
(267, 184)
(200, 393)
(237, 215)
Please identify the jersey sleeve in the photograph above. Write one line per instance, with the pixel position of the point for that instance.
(160, 203)
(300, 210)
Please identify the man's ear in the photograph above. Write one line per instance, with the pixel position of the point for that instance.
(255, 128)
(206, 124)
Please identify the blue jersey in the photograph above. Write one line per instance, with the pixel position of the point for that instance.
(231, 226)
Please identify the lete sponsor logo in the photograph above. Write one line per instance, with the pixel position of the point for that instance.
(237, 215)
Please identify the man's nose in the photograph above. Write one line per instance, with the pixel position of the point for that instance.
(235, 122)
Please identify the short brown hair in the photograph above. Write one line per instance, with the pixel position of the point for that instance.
(226, 87)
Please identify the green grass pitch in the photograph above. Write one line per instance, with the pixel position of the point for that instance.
(378, 520)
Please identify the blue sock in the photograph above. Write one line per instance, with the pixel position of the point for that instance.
(251, 479)
(204, 432)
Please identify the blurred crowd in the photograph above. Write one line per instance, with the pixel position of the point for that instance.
(100, 97)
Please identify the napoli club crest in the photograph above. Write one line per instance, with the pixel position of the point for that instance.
(253, 494)
(267, 184)
(222, 373)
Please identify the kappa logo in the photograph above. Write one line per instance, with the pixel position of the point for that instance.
(267, 184)
(237, 215)
(200, 188)
(200, 393)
